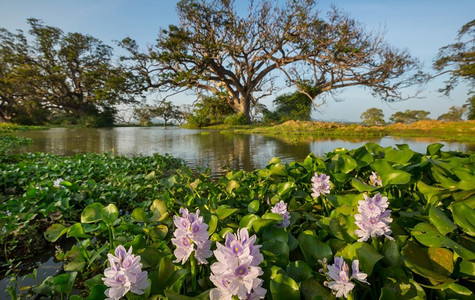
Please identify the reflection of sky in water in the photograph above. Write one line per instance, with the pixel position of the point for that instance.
(203, 148)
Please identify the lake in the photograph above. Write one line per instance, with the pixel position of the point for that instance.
(202, 149)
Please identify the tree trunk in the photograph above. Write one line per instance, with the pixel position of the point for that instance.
(245, 107)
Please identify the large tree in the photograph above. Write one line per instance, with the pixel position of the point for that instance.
(71, 73)
(458, 59)
(373, 116)
(215, 49)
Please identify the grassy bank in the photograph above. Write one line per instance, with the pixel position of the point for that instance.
(448, 131)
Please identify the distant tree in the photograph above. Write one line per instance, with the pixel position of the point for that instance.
(212, 107)
(373, 116)
(458, 59)
(470, 108)
(183, 113)
(237, 58)
(409, 116)
(454, 114)
(296, 105)
(167, 111)
(17, 67)
(67, 74)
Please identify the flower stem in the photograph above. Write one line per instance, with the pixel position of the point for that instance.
(193, 272)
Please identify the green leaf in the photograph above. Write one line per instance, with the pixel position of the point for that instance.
(399, 156)
(160, 277)
(213, 223)
(159, 209)
(284, 288)
(150, 257)
(150, 175)
(176, 279)
(344, 163)
(388, 174)
(253, 207)
(92, 213)
(284, 188)
(64, 282)
(54, 232)
(313, 249)
(224, 211)
(97, 292)
(248, 220)
(278, 169)
(364, 252)
(299, 271)
(274, 233)
(440, 220)
(427, 235)
(275, 252)
(77, 231)
(419, 261)
(175, 296)
(434, 149)
(96, 280)
(138, 214)
(362, 187)
(312, 289)
(110, 213)
(464, 216)
(232, 184)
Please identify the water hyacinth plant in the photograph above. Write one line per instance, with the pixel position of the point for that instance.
(237, 268)
(375, 180)
(425, 207)
(191, 234)
(281, 209)
(320, 185)
(124, 274)
(339, 278)
(374, 218)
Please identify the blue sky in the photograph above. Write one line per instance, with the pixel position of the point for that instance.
(421, 26)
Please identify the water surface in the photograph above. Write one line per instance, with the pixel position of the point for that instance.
(203, 148)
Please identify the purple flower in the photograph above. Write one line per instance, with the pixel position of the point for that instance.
(57, 182)
(191, 234)
(340, 279)
(375, 180)
(236, 271)
(320, 185)
(373, 219)
(281, 209)
(124, 274)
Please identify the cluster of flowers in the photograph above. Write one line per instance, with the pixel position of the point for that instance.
(124, 274)
(374, 218)
(339, 277)
(281, 209)
(375, 180)
(191, 231)
(237, 268)
(320, 185)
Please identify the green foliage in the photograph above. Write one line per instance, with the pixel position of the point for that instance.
(454, 114)
(58, 75)
(108, 201)
(409, 116)
(293, 106)
(458, 58)
(234, 120)
(373, 116)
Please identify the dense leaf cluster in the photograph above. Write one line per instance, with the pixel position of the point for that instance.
(107, 201)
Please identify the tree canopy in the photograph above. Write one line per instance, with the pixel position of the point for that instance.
(409, 116)
(237, 56)
(57, 72)
(373, 116)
